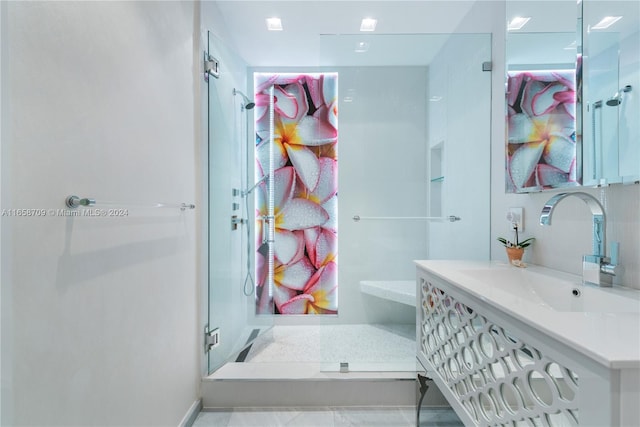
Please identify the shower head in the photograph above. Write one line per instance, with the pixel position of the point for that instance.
(616, 99)
(248, 104)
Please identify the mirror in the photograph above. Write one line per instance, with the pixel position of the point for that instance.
(542, 54)
(542, 140)
(611, 102)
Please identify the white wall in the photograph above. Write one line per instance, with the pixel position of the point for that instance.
(561, 245)
(5, 295)
(105, 316)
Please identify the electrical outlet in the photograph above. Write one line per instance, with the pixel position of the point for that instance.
(515, 217)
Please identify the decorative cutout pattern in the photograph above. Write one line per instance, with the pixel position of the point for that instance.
(496, 377)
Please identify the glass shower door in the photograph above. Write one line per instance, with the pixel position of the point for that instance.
(231, 278)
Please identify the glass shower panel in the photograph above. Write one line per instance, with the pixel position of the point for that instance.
(415, 144)
(461, 88)
(231, 213)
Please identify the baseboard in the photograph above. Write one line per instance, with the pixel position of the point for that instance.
(191, 415)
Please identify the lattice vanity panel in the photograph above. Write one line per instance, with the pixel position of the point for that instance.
(498, 379)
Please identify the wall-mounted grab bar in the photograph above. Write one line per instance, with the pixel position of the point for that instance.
(450, 218)
(75, 202)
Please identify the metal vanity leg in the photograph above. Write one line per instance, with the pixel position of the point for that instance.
(423, 391)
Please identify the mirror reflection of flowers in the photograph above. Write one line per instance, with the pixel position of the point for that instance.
(517, 244)
(541, 151)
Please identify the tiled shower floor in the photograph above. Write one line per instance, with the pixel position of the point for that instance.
(364, 347)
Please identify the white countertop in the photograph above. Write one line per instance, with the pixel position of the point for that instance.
(610, 338)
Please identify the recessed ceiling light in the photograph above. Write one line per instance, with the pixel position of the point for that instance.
(606, 22)
(274, 24)
(362, 47)
(368, 24)
(518, 22)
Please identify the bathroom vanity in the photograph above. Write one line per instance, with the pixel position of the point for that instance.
(532, 345)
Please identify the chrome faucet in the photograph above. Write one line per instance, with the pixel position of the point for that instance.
(597, 269)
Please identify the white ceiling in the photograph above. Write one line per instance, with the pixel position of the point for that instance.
(310, 29)
(325, 33)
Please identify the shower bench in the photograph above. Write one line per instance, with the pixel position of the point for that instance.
(402, 291)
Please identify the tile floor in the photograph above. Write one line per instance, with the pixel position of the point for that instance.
(329, 417)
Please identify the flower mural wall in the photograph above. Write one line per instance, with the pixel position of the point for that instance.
(541, 146)
(305, 191)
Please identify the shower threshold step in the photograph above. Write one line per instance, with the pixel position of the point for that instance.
(244, 385)
(317, 371)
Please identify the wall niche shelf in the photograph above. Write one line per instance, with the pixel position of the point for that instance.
(436, 179)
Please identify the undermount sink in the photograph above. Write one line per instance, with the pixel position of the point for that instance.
(556, 293)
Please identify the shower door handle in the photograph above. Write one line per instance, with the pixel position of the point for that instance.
(266, 231)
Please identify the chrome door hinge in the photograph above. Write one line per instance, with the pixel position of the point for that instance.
(211, 338)
(211, 67)
(487, 66)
